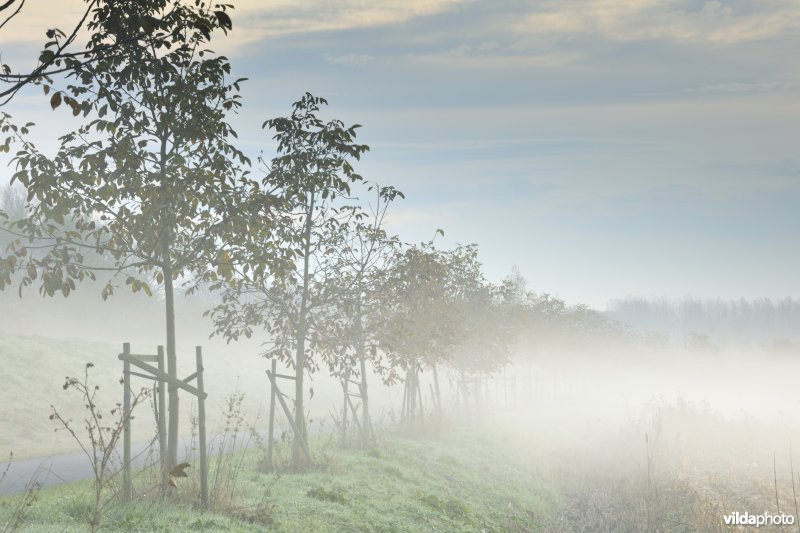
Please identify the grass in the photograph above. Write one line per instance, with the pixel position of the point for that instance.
(34, 368)
(458, 481)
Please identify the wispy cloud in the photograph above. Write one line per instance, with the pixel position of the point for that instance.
(286, 17)
(673, 20)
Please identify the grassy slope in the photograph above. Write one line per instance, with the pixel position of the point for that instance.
(34, 368)
(460, 481)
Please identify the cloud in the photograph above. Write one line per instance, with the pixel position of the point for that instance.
(253, 20)
(287, 17)
(349, 60)
(673, 20)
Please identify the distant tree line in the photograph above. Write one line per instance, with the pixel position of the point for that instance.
(756, 320)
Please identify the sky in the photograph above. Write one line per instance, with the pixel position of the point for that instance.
(606, 148)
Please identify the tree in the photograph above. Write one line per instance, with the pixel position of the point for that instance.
(419, 325)
(59, 55)
(364, 253)
(313, 171)
(152, 178)
(490, 328)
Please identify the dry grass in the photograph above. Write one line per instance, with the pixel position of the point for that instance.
(677, 468)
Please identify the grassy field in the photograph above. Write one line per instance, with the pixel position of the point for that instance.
(457, 481)
(572, 459)
(35, 367)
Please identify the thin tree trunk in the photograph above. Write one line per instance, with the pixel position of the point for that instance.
(437, 390)
(366, 424)
(298, 457)
(169, 300)
(172, 370)
(411, 398)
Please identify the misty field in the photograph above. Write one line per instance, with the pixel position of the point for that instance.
(439, 265)
(628, 446)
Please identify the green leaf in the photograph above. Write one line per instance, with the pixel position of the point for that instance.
(223, 20)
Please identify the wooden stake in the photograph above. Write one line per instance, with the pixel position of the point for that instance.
(271, 418)
(302, 437)
(162, 424)
(201, 413)
(126, 412)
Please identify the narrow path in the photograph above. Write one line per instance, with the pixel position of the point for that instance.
(70, 467)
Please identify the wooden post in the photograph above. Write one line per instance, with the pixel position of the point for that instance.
(162, 424)
(126, 412)
(303, 442)
(201, 413)
(271, 435)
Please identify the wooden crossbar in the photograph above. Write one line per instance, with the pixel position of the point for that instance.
(297, 433)
(163, 376)
(145, 376)
(149, 358)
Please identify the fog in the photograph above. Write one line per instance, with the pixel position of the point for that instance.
(626, 427)
(569, 233)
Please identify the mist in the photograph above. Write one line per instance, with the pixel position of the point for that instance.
(429, 266)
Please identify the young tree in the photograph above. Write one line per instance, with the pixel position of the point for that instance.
(59, 55)
(418, 326)
(364, 254)
(313, 168)
(152, 178)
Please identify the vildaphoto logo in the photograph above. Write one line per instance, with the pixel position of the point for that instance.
(764, 519)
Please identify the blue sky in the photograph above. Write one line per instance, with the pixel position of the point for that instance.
(606, 148)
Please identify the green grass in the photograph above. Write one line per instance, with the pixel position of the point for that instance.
(460, 481)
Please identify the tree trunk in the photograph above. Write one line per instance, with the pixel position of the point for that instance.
(299, 459)
(411, 398)
(166, 238)
(172, 370)
(366, 424)
(437, 390)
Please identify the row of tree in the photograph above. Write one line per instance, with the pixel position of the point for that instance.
(151, 191)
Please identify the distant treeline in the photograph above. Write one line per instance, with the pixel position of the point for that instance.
(758, 320)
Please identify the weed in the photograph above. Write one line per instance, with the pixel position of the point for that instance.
(452, 507)
(102, 434)
(23, 504)
(335, 494)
